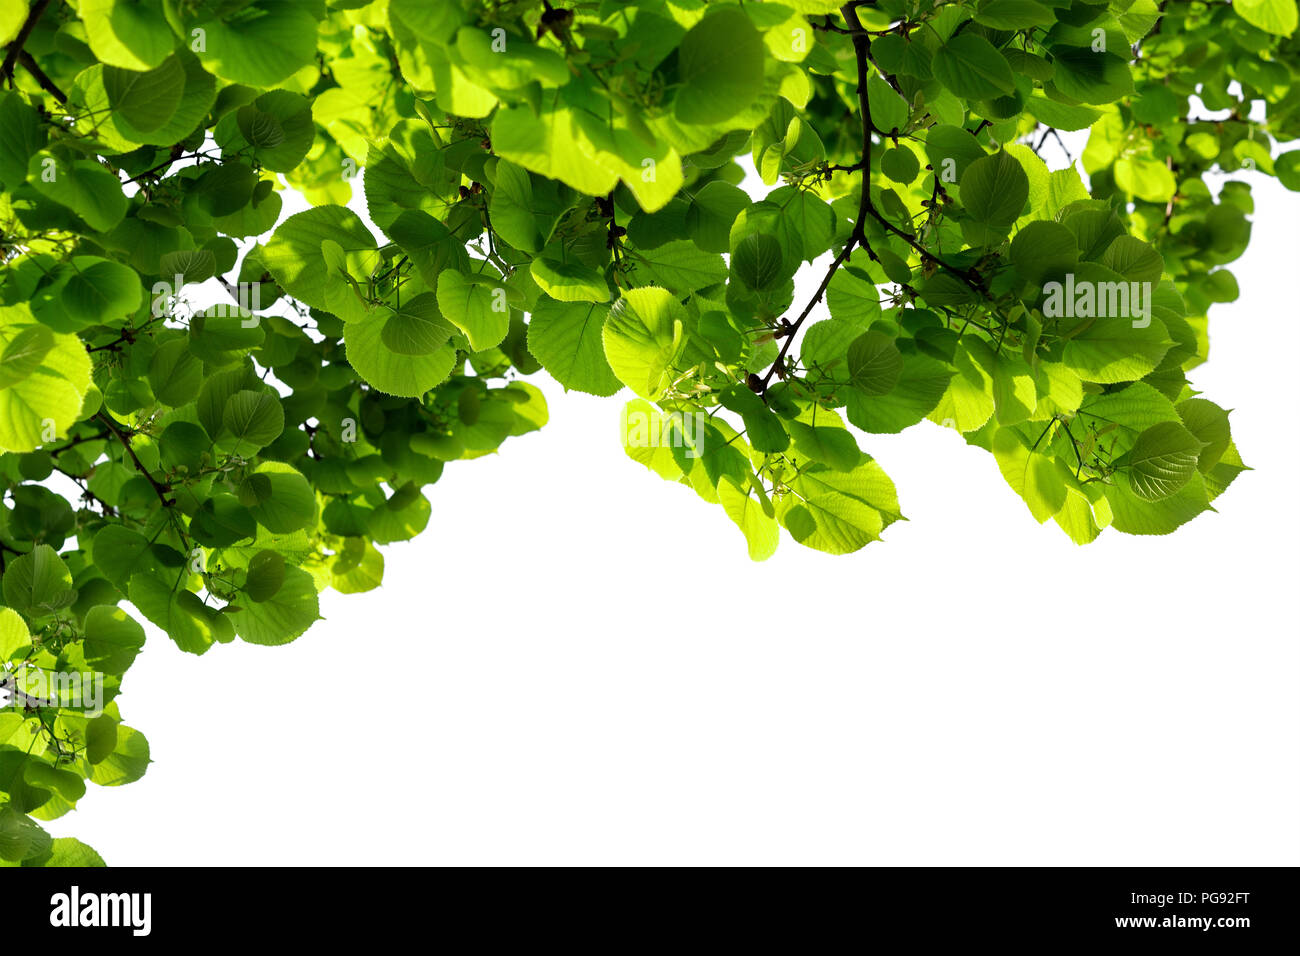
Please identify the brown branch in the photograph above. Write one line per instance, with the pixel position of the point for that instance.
(15, 48)
(159, 488)
(968, 276)
(48, 85)
(55, 452)
(862, 53)
(177, 154)
(86, 493)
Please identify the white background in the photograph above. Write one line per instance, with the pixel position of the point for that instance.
(576, 663)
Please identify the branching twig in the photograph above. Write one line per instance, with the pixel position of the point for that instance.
(862, 53)
(16, 48)
(159, 488)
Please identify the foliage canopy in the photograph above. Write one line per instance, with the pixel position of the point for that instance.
(555, 188)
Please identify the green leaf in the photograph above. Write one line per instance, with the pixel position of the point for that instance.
(758, 262)
(268, 42)
(192, 265)
(1145, 178)
(1286, 166)
(681, 266)
(408, 172)
(1015, 395)
(265, 575)
(21, 136)
(566, 337)
(889, 111)
(852, 296)
(900, 164)
(1209, 423)
(130, 34)
(226, 189)
(294, 255)
(830, 445)
(712, 212)
(1034, 477)
(756, 519)
(1278, 17)
(11, 20)
(283, 616)
(477, 305)
(85, 187)
(1061, 116)
(146, 99)
(1083, 515)
(951, 150)
(1163, 460)
(181, 614)
(277, 126)
(994, 190)
(24, 354)
(425, 240)
(511, 208)
(222, 337)
(921, 385)
(15, 638)
(1134, 259)
(570, 281)
(1134, 407)
(435, 22)
(399, 371)
(198, 93)
(182, 445)
(416, 327)
(874, 363)
(120, 552)
(1044, 250)
(113, 638)
(839, 512)
(221, 521)
(1014, 14)
(968, 401)
(286, 503)
(720, 64)
(1137, 515)
(38, 583)
(642, 335)
(47, 399)
(1114, 349)
(175, 374)
(251, 421)
(69, 852)
(549, 145)
(20, 837)
(763, 428)
(126, 763)
(970, 66)
(359, 567)
(1091, 77)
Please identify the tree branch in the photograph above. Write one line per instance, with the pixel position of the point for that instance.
(862, 53)
(48, 85)
(16, 48)
(159, 488)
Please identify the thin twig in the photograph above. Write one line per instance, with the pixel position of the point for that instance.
(862, 53)
(158, 487)
(49, 86)
(15, 48)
